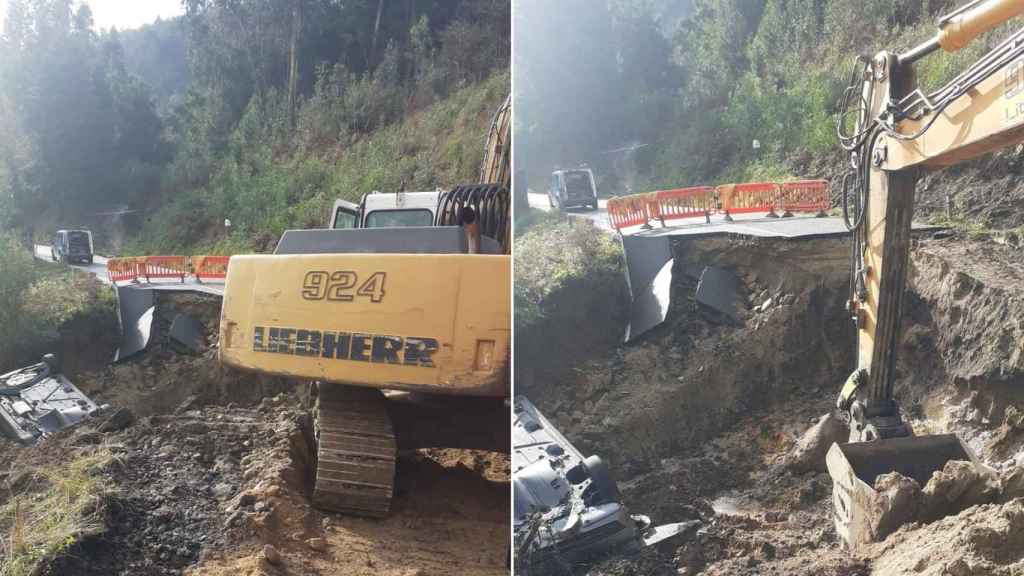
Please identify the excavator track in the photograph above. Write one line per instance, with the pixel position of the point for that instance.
(356, 448)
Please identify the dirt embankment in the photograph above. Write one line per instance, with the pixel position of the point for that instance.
(699, 418)
(209, 474)
(688, 379)
(984, 194)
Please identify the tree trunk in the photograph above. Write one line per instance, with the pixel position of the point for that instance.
(376, 29)
(293, 62)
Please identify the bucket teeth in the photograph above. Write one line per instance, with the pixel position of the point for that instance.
(355, 468)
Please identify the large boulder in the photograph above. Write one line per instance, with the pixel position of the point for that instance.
(808, 455)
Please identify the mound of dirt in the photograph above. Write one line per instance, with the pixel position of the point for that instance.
(988, 190)
(211, 473)
(178, 476)
(983, 540)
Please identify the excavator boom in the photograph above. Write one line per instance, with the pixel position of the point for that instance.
(901, 130)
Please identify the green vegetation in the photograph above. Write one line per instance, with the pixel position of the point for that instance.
(698, 90)
(561, 255)
(61, 504)
(568, 274)
(262, 195)
(38, 300)
(261, 112)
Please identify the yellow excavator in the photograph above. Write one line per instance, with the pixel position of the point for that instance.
(894, 130)
(403, 323)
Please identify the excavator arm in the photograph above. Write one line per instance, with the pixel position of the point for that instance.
(901, 130)
(893, 131)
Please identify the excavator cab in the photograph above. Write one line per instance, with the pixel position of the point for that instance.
(974, 114)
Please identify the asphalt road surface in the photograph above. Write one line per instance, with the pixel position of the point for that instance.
(755, 225)
(599, 216)
(98, 267)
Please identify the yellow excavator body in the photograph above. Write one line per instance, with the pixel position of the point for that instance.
(420, 309)
(437, 323)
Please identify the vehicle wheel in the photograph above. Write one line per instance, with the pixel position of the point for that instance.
(601, 478)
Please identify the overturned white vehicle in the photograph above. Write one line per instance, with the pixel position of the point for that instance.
(567, 509)
(37, 401)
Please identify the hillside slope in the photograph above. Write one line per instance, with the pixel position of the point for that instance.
(263, 194)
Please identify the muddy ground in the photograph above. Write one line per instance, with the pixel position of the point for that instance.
(699, 418)
(211, 476)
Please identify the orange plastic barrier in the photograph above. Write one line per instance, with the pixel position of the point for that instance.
(746, 198)
(164, 267)
(121, 269)
(210, 267)
(805, 196)
(684, 203)
(632, 210)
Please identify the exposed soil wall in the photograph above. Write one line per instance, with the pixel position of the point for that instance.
(699, 418)
(688, 379)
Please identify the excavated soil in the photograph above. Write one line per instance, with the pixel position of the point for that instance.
(211, 476)
(700, 419)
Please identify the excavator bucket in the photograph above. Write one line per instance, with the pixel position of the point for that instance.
(861, 515)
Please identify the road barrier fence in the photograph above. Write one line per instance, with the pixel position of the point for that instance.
(633, 210)
(210, 267)
(132, 269)
(772, 199)
(696, 202)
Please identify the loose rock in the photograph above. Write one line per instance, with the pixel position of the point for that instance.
(809, 453)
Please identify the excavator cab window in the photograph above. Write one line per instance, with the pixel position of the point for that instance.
(346, 215)
(344, 219)
(399, 218)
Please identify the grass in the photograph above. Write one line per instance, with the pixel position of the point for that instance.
(535, 217)
(37, 299)
(63, 505)
(970, 227)
(555, 253)
(979, 230)
(60, 294)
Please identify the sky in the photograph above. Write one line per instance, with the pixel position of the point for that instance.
(124, 14)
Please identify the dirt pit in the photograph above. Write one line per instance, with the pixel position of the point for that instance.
(701, 418)
(209, 472)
